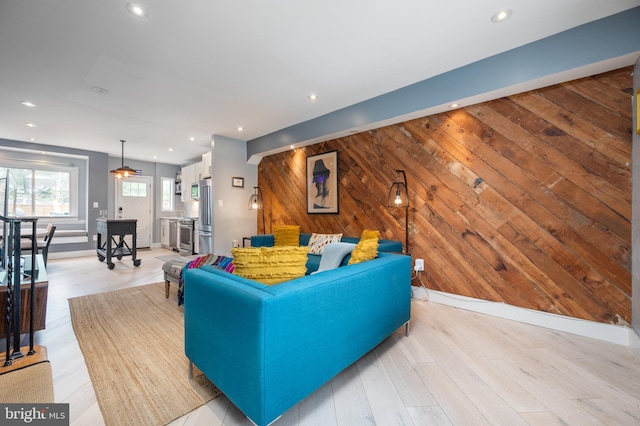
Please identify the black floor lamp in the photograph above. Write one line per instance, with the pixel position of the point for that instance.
(256, 202)
(399, 197)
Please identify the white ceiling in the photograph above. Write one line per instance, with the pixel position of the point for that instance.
(201, 67)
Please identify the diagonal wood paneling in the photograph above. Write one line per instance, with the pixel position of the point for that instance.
(524, 200)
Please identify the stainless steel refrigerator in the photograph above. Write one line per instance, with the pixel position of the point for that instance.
(205, 217)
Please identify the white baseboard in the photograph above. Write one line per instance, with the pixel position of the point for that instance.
(620, 335)
(79, 253)
(634, 344)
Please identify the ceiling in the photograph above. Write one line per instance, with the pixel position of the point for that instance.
(195, 68)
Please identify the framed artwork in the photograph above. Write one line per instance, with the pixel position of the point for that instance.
(238, 182)
(322, 183)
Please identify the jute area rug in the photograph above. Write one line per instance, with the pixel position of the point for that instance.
(133, 344)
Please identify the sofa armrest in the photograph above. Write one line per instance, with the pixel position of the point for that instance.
(224, 329)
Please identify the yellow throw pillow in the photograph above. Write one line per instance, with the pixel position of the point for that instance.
(286, 235)
(369, 234)
(270, 265)
(364, 250)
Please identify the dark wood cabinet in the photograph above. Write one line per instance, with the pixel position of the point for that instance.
(41, 290)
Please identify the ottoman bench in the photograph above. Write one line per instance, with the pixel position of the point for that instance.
(172, 269)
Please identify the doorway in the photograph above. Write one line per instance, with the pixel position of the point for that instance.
(134, 200)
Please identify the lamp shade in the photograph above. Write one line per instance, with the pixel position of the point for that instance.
(255, 201)
(399, 197)
(398, 194)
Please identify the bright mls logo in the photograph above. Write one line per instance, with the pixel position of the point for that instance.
(34, 414)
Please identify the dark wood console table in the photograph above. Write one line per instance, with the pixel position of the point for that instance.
(41, 289)
(108, 230)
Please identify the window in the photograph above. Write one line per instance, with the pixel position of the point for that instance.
(46, 190)
(167, 194)
(134, 189)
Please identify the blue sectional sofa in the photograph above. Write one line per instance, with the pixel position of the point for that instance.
(268, 347)
(267, 240)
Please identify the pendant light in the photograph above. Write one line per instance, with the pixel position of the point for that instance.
(123, 171)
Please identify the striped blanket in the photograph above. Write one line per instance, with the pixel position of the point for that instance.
(223, 263)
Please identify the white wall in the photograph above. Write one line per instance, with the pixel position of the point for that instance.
(232, 218)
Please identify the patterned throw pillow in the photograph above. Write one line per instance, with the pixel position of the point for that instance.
(365, 250)
(286, 235)
(318, 242)
(270, 265)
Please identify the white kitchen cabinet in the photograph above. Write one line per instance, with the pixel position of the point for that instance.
(164, 233)
(206, 164)
(188, 177)
(168, 233)
(193, 173)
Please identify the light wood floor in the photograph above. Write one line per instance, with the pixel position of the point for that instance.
(456, 367)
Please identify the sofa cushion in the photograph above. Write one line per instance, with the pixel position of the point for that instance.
(333, 255)
(270, 265)
(318, 242)
(365, 250)
(286, 235)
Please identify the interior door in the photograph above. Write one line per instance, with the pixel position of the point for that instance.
(134, 200)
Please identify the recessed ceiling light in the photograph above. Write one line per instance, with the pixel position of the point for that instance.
(171, 149)
(192, 139)
(240, 128)
(28, 104)
(312, 97)
(454, 106)
(501, 16)
(136, 10)
(99, 90)
(29, 124)
(33, 139)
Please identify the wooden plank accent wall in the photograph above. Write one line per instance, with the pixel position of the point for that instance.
(524, 200)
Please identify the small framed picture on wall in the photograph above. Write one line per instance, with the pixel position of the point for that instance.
(237, 182)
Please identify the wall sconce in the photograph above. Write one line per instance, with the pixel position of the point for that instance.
(399, 197)
(256, 202)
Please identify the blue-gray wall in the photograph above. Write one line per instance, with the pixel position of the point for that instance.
(232, 219)
(99, 187)
(95, 175)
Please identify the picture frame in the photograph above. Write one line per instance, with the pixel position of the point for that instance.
(322, 183)
(237, 182)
